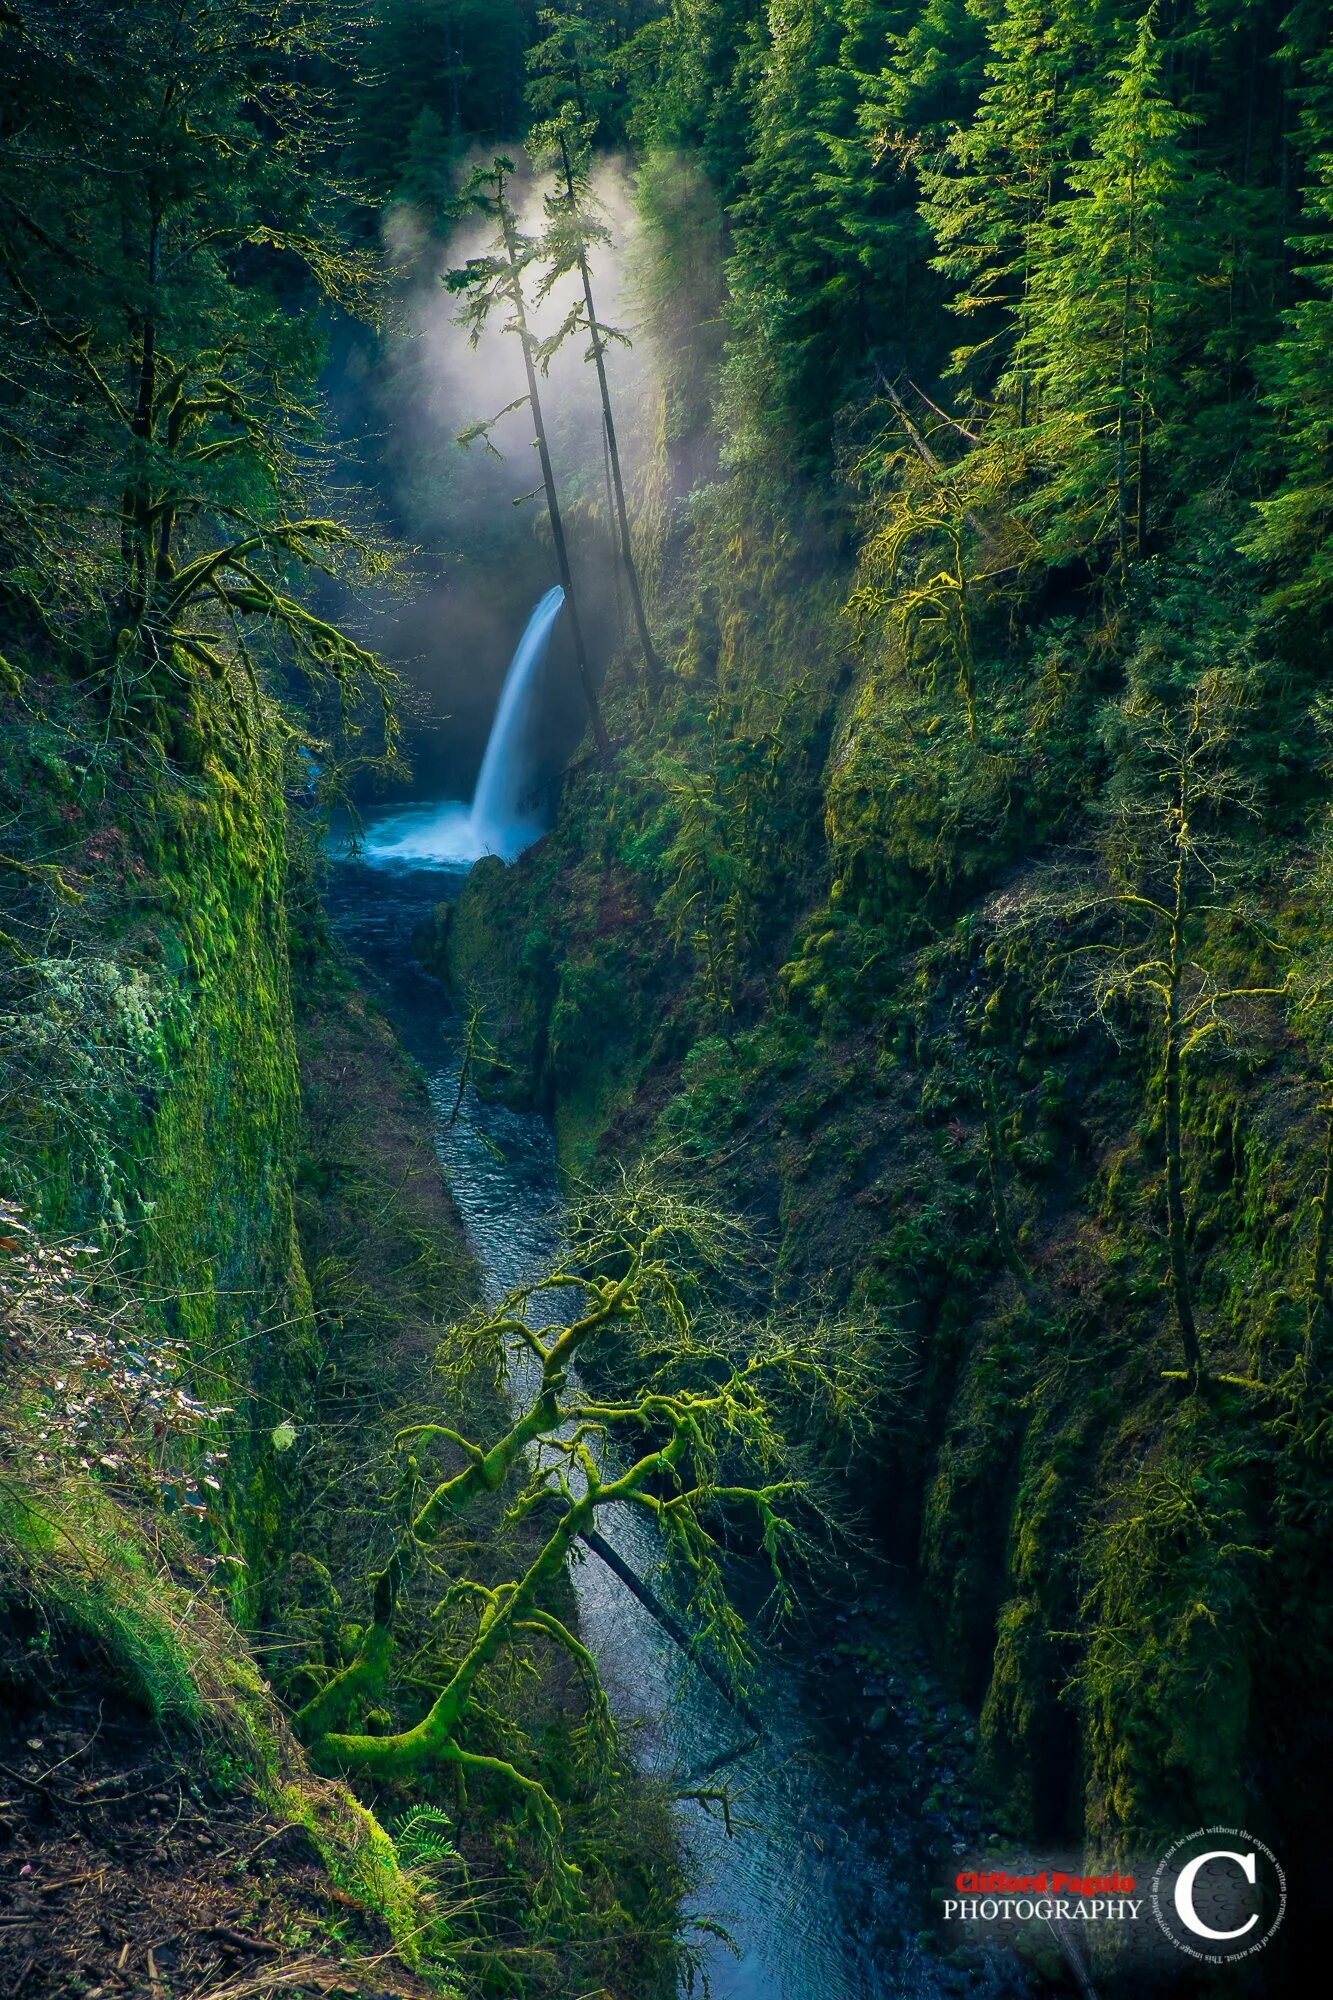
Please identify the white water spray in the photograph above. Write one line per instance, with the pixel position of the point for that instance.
(498, 798)
(454, 835)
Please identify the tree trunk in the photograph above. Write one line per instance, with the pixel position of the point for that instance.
(431, 1737)
(1142, 468)
(1319, 1299)
(1175, 1179)
(552, 497)
(1004, 1235)
(136, 506)
(651, 662)
(593, 1539)
(1121, 438)
(1141, 484)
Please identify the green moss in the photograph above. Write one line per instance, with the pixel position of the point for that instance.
(1173, 1584)
(85, 1565)
(913, 1089)
(486, 953)
(168, 1121)
(85, 1569)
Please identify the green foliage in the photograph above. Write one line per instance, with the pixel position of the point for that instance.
(456, 64)
(1110, 323)
(700, 1435)
(493, 287)
(992, 966)
(422, 1838)
(160, 351)
(990, 190)
(87, 1571)
(1171, 1580)
(1296, 521)
(976, 937)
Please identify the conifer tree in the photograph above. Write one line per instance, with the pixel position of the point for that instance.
(427, 181)
(168, 203)
(573, 229)
(458, 59)
(1296, 522)
(699, 97)
(571, 65)
(918, 78)
(1171, 867)
(494, 283)
(568, 85)
(824, 227)
(1107, 303)
(991, 193)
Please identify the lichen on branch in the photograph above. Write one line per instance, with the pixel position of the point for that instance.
(698, 1441)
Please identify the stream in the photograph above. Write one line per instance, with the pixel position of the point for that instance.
(851, 1811)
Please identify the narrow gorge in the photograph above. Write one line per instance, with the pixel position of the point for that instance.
(666, 1165)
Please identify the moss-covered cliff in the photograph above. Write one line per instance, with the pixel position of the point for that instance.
(154, 1035)
(895, 1055)
(160, 1324)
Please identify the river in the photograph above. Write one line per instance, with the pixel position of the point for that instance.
(853, 1809)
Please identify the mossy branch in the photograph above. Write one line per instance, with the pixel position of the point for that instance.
(702, 1400)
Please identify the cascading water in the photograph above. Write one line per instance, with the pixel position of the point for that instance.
(502, 781)
(453, 835)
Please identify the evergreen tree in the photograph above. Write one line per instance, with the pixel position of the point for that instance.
(427, 182)
(1295, 529)
(564, 83)
(494, 283)
(1171, 865)
(571, 64)
(1107, 306)
(169, 227)
(461, 60)
(921, 83)
(991, 193)
(693, 92)
(823, 230)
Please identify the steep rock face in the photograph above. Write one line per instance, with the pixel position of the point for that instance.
(929, 1129)
(220, 1241)
(171, 1130)
(150, 1122)
(154, 1035)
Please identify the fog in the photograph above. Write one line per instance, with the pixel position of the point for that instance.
(483, 554)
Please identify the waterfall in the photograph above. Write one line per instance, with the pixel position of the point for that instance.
(453, 835)
(502, 782)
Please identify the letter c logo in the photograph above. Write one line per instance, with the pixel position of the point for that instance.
(1185, 1909)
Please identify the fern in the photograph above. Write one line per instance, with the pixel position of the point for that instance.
(422, 1838)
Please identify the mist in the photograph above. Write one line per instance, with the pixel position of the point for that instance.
(476, 518)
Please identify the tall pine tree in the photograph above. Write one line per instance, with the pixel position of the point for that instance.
(495, 284)
(992, 191)
(170, 226)
(1107, 307)
(1295, 531)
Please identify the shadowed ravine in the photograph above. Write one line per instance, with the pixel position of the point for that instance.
(824, 1888)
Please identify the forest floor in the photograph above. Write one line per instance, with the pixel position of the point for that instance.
(127, 1878)
(136, 1866)
(124, 1874)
